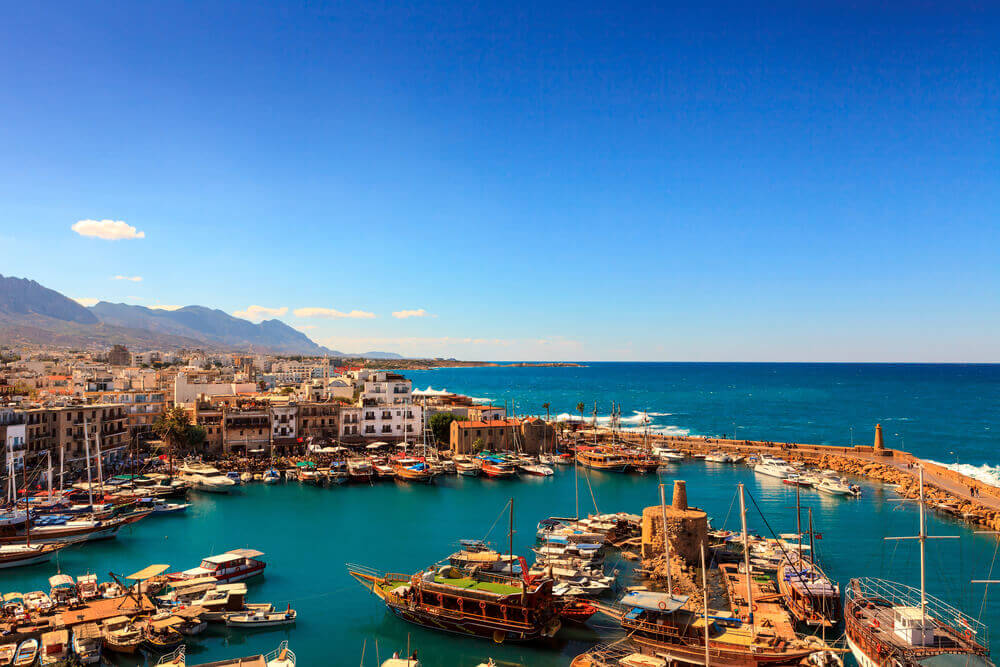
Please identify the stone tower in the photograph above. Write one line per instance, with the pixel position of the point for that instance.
(879, 445)
(687, 527)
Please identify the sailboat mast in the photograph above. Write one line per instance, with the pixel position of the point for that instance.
(576, 479)
(48, 474)
(100, 472)
(62, 474)
(666, 539)
(812, 545)
(704, 588)
(746, 559)
(798, 517)
(511, 536)
(923, 539)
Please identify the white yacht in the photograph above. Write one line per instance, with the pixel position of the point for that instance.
(836, 487)
(776, 468)
(204, 477)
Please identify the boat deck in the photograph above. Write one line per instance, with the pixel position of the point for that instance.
(252, 661)
(770, 618)
(877, 623)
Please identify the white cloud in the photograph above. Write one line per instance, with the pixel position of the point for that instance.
(85, 300)
(260, 312)
(135, 279)
(109, 230)
(403, 314)
(332, 313)
(161, 306)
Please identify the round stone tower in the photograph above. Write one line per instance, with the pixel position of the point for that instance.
(687, 528)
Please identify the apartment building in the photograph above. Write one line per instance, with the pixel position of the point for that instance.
(143, 407)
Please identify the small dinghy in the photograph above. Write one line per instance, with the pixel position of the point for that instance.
(27, 652)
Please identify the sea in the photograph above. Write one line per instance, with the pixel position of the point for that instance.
(310, 534)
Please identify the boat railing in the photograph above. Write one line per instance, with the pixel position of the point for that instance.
(174, 658)
(901, 595)
(282, 652)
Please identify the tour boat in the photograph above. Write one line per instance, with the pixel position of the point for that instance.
(495, 469)
(479, 604)
(889, 623)
(204, 477)
(811, 597)
(360, 470)
(37, 602)
(27, 651)
(87, 642)
(160, 635)
(383, 471)
(338, 473)
(537, 469)
(16, 555)
(598, 459)
(121, 635)
(261, 619)
(55, 647)
(65, 529)
(232, 566)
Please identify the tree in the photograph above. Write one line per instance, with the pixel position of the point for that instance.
(174, 428)
(580, 407)
(477, 444)
(441, 426)
(546, 406)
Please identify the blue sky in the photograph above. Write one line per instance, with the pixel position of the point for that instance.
(801, 181)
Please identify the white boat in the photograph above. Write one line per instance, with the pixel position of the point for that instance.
(718, 457)
(836, 488)
(772, 469)
(246, 477)
(396, 661)
(15, 555)
(232, 566)
(537, 469)
(467, 469)
(272, 476)
(261, 619)
(204, 477)
(27, 651)
(87, 642)
(163, 507)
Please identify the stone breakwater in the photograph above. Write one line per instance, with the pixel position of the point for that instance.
(944, 489)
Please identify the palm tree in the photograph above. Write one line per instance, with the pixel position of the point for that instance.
(580, 407)
(546, 406)
(173, 427)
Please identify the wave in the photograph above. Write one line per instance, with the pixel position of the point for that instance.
(985, 473)
(660, 414)
(479, 399)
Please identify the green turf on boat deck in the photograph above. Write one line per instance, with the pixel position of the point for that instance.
(487, 586)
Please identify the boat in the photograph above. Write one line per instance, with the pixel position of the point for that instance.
(55, 647)
(87, 641)
(231, 566)
(86, 585)
(889, 623)
(467, 469)
(718, 457)
(65, 529)
(337, 473)
(236, 477)
(598, 459)
(204, 477)
(161, 507)
(18, 555)
(360, 470)
(261, 619)
(121, 635)
(160, 635)
(7, 652)
(496, 468)
(396, 661)
(37, 602)
(384, 471)
(576, 611)
(413, 470)
(811, 596)
(27, 652)
(537, 469)
(272, 476)
(837, 488)
(777, 469)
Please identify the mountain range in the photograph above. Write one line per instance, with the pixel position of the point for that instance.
(32, 313)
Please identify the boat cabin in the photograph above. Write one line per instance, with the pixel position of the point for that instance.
(912, 626)
(235, 565)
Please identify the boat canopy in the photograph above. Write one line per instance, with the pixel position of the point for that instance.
(653, 601)
(13, 596)
(189, 613)
(55, 637)
(148, 572)
(57, 580)
(87, 631)
(246, 553)
(117, 620)
(165, 623)
(184, 584)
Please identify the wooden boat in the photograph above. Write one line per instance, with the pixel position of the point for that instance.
(27, 651)
(598, 459)
(160, 635)
(496, 469)
(413, 470)
(576, 611)
(121, 635)
(481, 604)
(232, 566)
(261, 619)
(383, 471)
(7, 652)
(76, 530)
(467, 469)
(810, 595)
(55, 647)
(360, 470)
(87, 641)
(18, 555)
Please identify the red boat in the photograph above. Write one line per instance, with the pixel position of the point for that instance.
(227, 568)
(498, 470)
(577, 611)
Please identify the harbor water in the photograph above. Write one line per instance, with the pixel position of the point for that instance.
(309, 533)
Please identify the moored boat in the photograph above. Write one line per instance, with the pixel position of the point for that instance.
(231, 566)
(121, 635)
(598, 459)
(261, 619)
(27, 652)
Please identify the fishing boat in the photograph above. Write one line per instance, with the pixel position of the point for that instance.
(7, 652)
(55, 647)
(413, 471)
(203, 477)
(121, 635)
(272, 476)
(37, 602)
(598, 459)
(811, 596)
(27, 652)
(261, 619)
(18, 555)
(889, 623)
(384, 471)
(160, 635)
(232, 566)
(87, 641)
(467, 468)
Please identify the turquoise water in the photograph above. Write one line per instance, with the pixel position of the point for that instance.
(309, 533)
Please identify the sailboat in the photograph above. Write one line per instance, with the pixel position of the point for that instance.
(890, 623)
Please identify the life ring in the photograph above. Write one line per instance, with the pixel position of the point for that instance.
(460, 604)
(754, 608)
(482, 605)
(440, 599)
(662, 605)
(968, 634)
(503, 610)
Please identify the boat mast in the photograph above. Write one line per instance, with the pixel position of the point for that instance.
(798, 518)
(704, 588)
(48, 474)
(511, 536)
(666, 539)
(922, 537)
(812, 547)
(86, 446)
(100, 473)
(62, 474)
(746, 559)
(576, 478)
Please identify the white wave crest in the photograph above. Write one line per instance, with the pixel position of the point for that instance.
(985, 473)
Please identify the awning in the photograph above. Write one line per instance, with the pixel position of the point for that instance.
(148, 572)
(245, 553)
(168, 622)
(60, 580)
(87, 631)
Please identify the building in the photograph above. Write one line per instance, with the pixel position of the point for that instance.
(319, 420)
(143, 407)
(61, 428)
(503, 435)
(119, 356)
(186, 391)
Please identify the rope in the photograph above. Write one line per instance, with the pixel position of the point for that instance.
(502, 512)
(986, 592)
(592, 497)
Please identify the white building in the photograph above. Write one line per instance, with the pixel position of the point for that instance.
(284, 421)
(187, 392)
